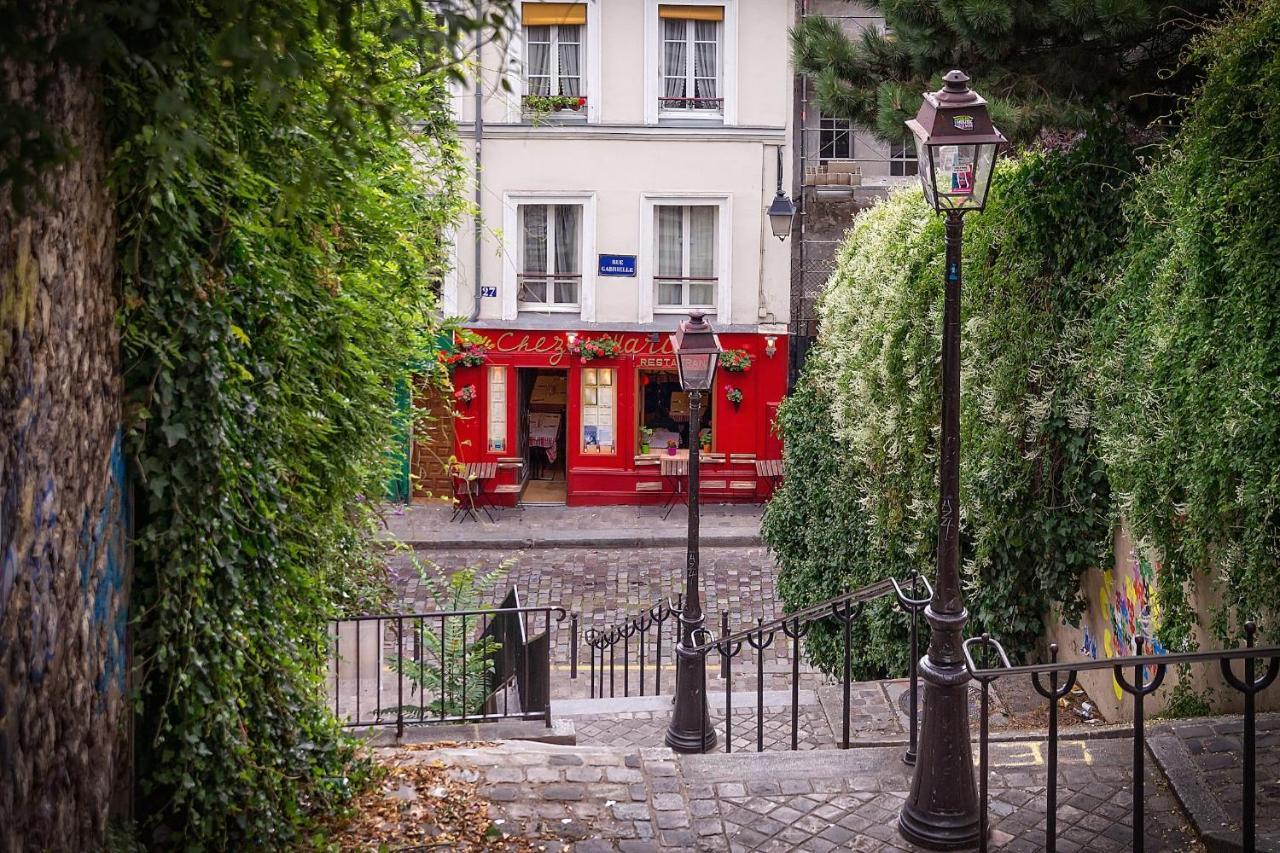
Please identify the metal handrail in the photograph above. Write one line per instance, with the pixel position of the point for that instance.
(870, 592)
(1139, 688)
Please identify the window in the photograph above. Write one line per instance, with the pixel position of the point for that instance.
(497, 422)
(686, 271)
(902, 160)
(598, 410)
(690, 62)
(550, 255)
(835, 139)
(554, 66)
(664, 412)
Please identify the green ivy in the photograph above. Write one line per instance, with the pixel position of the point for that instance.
(278, 260)
(1187, 345)
(861, 430)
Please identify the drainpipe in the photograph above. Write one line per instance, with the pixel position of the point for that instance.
(479, 135)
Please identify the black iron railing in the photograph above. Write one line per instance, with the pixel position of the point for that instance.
(614, 643)
(1148, 673)
(448, 666)
(845, 609)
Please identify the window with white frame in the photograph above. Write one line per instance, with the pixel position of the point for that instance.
(599, 412)
(902, 160)
(497, 420)
(835, 139)
(550, 255)
(553, 64)
(690, 64)
(686, 270)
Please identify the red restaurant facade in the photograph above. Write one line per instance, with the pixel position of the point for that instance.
(566, 427)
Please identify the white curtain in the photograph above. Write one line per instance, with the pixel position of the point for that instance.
(538, 62)
(670, 254)
(566, 289)
(570, 50)
(704, 60)
(535, 238)
(674, 59)
(702, 254)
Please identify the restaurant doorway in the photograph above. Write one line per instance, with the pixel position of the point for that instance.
(542, 408)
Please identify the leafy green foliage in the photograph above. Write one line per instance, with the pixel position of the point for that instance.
(278, 252)
(1188, 343)
(861, 430)
(1046, 65)
(455, 663)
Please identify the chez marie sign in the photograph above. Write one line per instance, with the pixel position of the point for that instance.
(645, 352)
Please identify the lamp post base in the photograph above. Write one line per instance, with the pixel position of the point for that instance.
(942, 811)
(690, 729)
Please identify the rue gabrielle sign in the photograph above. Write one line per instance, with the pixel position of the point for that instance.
(623, 265)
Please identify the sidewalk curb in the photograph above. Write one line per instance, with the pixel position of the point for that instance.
(575, 539)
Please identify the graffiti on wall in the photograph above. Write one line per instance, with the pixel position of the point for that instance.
(102, 544)
(1128, 610)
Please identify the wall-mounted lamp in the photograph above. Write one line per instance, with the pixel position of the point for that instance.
(783, 210)
(770, 345)
(571, 337)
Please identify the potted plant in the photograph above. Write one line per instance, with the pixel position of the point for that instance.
(672, 446)
(465, 395)
(646, 434)
(467, 355)
(734, 395)
(735, 360)
(704, 438)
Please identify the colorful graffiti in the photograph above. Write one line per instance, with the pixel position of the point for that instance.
(1129, 610)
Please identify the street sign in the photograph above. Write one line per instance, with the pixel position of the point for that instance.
(619, 265)
(488, 290)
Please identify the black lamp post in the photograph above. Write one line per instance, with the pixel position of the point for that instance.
(697, 353)
(956, 145)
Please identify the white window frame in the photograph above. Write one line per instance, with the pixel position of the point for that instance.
(726, 59)
(593, 48)
(513, 237)
(649, 252)
(690, 77)
(686, 254)
(492, 405)
(550, 306)
(554, 81)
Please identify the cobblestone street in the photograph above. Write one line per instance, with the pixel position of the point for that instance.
(593, 799)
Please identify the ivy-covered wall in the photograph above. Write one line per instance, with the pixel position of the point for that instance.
(1121, 363)
(861, 430)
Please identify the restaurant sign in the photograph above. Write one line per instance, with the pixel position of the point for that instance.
(649, 353)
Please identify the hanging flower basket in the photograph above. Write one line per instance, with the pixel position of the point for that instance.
(734, 395)
(465, 394)
(735, 360)
(589, 350)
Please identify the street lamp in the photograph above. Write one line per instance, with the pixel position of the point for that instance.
(956, 146)
(697, 350)
(783, 210)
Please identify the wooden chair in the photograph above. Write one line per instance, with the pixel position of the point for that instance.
(769, 470)
(469, 479)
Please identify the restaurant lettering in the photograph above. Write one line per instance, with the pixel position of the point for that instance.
(557, 348)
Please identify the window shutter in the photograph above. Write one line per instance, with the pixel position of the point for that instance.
(688, 13)
(551, 14)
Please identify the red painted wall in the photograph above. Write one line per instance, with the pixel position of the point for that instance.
(612, 478)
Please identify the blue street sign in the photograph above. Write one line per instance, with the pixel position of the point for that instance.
(487, 290)
(618, 265)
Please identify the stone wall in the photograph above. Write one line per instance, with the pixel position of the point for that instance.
(63, 499)
(1121, 605)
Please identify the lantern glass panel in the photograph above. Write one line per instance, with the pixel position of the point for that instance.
(696, 370)
(960, 175)
(925, 165)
